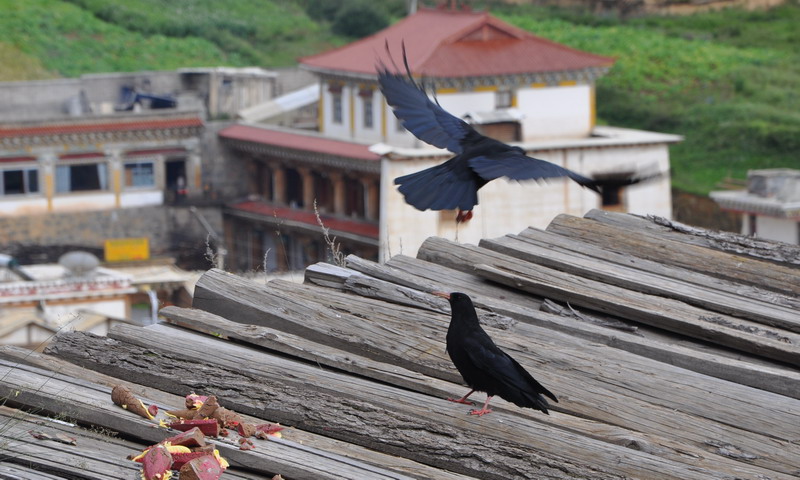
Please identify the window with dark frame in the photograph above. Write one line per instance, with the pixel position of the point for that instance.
(20, 181)
(81, 177)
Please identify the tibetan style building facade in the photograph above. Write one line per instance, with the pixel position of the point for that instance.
(506, 82)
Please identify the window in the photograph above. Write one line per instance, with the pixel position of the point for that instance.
(337, 107)
(503, 99)
(80, 178)
(368, 117)
(20, 182)
(139, 175)
(366, 95)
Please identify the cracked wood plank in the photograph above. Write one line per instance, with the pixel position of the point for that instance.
(669, 314)
(317, 443)
(641, 244)
(360, 411)
(644, 281)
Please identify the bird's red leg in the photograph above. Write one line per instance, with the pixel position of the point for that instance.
(463, 399)
(463, 216)
(484, 410)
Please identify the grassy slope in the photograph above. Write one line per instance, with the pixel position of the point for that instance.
(727, 81)
(74, 37)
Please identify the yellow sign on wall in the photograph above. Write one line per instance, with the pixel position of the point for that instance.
(127, 249)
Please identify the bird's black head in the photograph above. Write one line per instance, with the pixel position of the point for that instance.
(461, 308)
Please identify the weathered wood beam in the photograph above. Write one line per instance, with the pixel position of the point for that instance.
(758, 248)
(785, 381)
(317, 444)
(389, 419)
(641, 244)
(89, 403)
(587, 393)
(637, 279)
(578, 247)
(652, 310)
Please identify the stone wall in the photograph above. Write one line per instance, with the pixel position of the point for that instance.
(173, 231)
(701, 211)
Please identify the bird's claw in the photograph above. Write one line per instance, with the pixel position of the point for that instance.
(463, 216)
(481, 412)
(460, 400)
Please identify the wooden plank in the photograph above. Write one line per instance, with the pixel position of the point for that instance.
(652, 310)
(759, 248)
(639, 243)
(241, 300)
(584, 249)
(299, 347)
(354, 317)
(646, 282)
(319, 445)
(90, 403)
(355, 409)
(772, 378)
(90, 457)
(10, 471)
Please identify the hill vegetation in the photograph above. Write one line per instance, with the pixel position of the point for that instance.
(728, 81)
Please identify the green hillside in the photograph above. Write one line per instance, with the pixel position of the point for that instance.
(727, 81)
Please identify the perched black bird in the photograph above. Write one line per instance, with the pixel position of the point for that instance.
(483, 365)
(479, 159)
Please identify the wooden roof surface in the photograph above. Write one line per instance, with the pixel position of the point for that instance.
(673, 351)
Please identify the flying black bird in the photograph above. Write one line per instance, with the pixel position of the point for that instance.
(483, 365)
(479, 159)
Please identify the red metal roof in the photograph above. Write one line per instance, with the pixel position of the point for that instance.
(297, 141)
(99, 126)
(449, 43)
(364, 229)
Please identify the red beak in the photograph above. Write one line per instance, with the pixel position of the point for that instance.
(441, 294)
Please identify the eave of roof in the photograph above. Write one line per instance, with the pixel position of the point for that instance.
(99, 126)
(446, 43)
(740, 201)
(298, 142)
(357, 230)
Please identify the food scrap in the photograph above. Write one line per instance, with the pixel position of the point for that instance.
(123, 397)
(188, 451)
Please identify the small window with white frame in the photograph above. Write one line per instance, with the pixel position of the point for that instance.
(19, 181)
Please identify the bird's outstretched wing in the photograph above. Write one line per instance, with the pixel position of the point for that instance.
(507, 371)
(419, 115)
(515, 165)
(442, 187)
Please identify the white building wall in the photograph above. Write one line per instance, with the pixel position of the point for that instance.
(22, 205)
(510, 207)
(780, 229)
(555, 112)
(141, 198)
(459, 104)
(77, 202)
